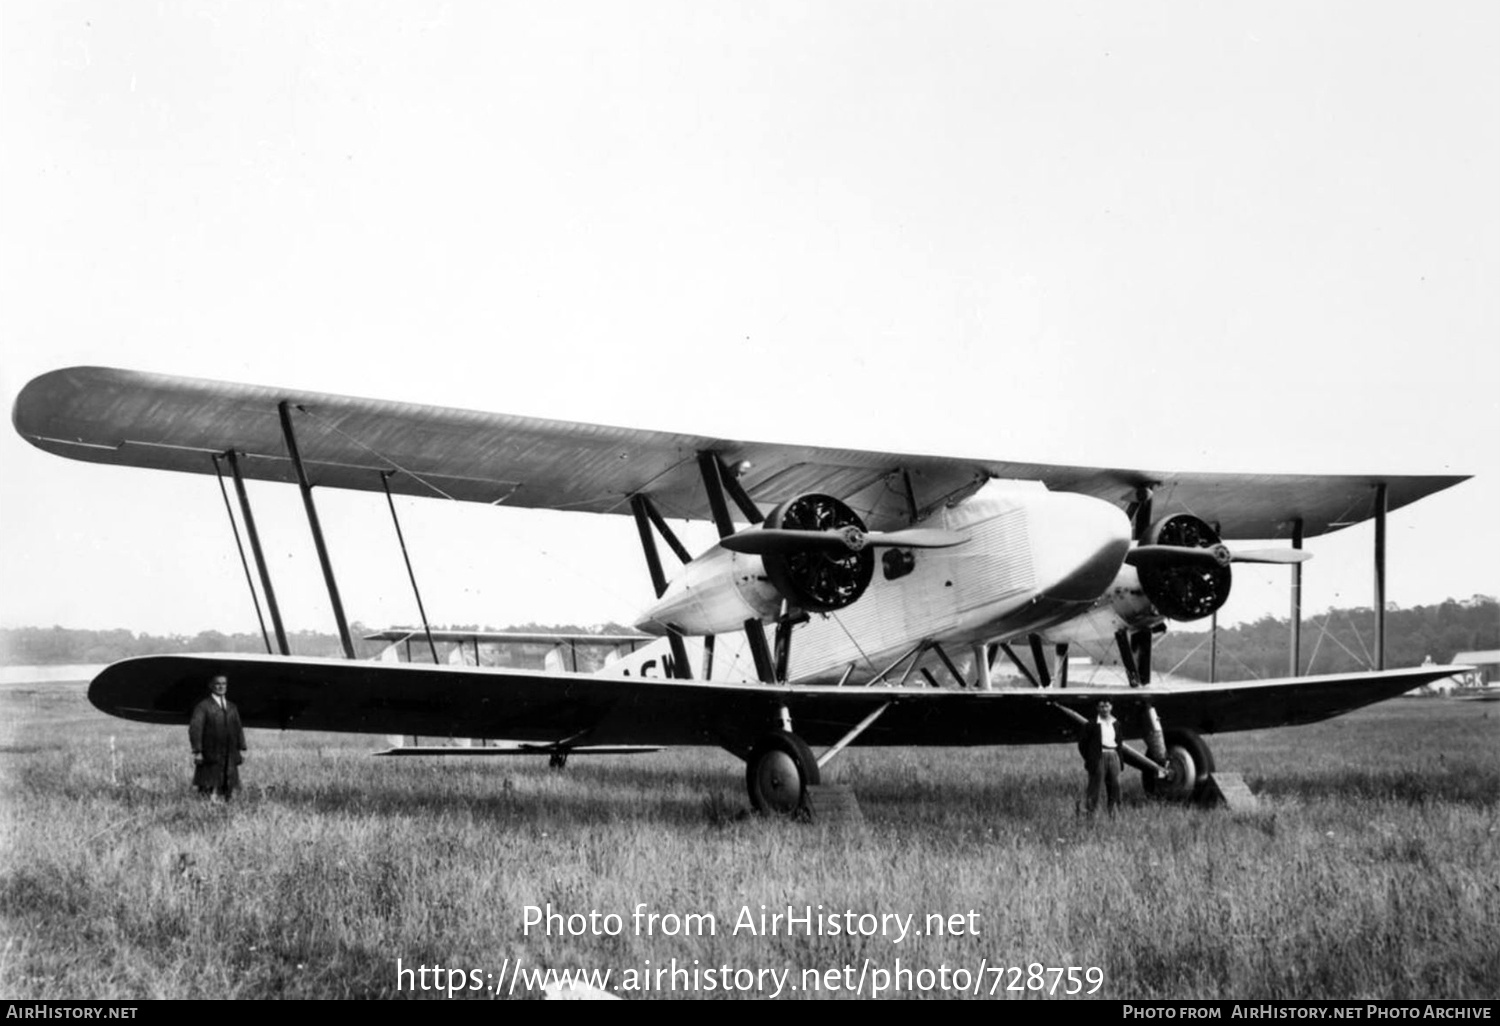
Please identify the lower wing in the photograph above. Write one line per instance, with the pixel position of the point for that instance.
(584, 710)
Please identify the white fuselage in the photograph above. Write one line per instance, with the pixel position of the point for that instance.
(1033, 559)
(1123, 606)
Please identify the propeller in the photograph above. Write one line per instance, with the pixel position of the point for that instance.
(778, 540)
(1212, 555)
(1272, 556)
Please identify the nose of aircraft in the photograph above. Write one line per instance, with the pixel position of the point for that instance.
(1078, 543)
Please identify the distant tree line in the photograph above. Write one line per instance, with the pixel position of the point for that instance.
(1339, 641)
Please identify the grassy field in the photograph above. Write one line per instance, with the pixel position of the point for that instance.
(1369, 871)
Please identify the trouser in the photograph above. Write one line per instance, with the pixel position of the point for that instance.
(1105, 771)
(220, 779)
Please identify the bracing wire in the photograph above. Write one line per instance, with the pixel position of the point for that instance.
(1369, 659)
(244, 563)
(401, 538)
(394, 466)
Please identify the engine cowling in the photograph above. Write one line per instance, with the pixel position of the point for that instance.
(721, 589)
(1185, 590)
(821, 580)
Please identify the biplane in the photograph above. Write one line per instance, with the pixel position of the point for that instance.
(852, 597)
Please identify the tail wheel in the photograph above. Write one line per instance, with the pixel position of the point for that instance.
(778, 773)
(1189, 762)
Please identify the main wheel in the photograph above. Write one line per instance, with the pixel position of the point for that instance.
(1189, 762)
(778, 773)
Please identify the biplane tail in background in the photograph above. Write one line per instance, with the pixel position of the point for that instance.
(559, 651)
(853, 597)
(575, 652)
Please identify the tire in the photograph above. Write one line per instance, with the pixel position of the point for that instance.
(778, 773)
(1189, 762)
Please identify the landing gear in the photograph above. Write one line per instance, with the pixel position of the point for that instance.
(780, 769)
(1189, 763)
(557, 760)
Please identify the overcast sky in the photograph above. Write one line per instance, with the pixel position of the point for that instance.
(1255, 237)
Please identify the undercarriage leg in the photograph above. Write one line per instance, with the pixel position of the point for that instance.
(1156, 744)
(1127, 659)
(1039, 658)
(848, 739)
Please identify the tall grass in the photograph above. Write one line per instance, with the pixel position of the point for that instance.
(1368, 871)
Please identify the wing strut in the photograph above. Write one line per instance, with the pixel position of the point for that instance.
(1213, 649)
(1011, 654)
(1039, 656)
(949, 664)
(858, 729)
(1382, 504)
(755, 632)
(911, 497)
(782, 649)
(260, 556)
(317, 531)
(914, 654)
(713, 483)
(1140, 647)
(1296, 614)
(1138, 644)
(245, 563)
(385, 481)
(645, 516)
(678, 549)
(739, 495)
(1127, 658)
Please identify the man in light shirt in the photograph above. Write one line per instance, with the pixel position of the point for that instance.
(1101, 757)
(218, 742)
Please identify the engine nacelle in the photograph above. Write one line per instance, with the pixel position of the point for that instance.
(1142, 597)
(819, 581)
(1187, 590)
(717, 592)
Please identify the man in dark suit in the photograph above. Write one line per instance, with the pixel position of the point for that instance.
(1101, 757)
(218, 742)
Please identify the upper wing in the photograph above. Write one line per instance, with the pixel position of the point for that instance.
(435, 701)
(139, 419)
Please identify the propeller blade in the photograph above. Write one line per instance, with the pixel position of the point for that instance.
(1272, 556)
(917, 538)
(769, 541)
(1157, 555)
